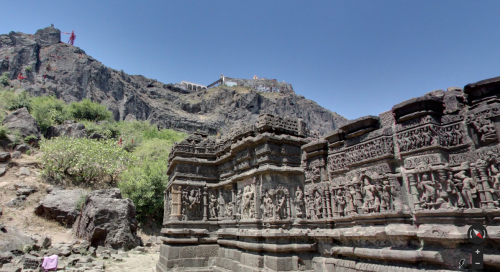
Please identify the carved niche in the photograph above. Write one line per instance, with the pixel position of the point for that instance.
(485, 132)
(192, 207)
(275, 204)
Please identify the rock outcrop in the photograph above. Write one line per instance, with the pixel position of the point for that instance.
(61, 205)
(14, 239)
(108, 220)
(22, 121)
(69, 129)
(67, 72)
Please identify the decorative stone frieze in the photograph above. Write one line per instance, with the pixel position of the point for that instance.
(389, 192)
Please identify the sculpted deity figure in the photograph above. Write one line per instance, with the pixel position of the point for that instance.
(469, 191)
(229, 210)
(299, 202)
(239, 197)
(318, 204)
(484, 128)
(194, 198)
(341, 202)
(248, 199)
(370, 199)
(310, 207)
(430, 192)
(222, 203)
(212, 206)
(387, 203)
(267, 206)
(281, 206)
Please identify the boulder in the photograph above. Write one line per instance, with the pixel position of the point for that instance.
(42, 242)
(69, 128)
(108, 220)
(14, 239)
(22, 120)
(18, 201)
(47, 36)
(22, 148)
(60, 205)
(4, 156)
(24, 171)
(16, 155)
(5, 257)
(28, 190)
(2, 171)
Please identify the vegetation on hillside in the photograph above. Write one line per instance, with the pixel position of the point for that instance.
(133, 156)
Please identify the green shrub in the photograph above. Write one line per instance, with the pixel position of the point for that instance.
(144, 185)
(145, 181)
(4, 79)
(83, 161)
(48, 111)
(28, 69)
(108, 128)
(3, 132)
(88, 110)
(9, 100)
(80, 202)
(30, 138)
(17, 138)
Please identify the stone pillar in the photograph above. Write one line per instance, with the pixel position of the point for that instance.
(205, 204)
(328, 204)
(414, 191)
(257, 195)
(176, 193)
(485, 194)
(288, 208)
(323, 212)
(333, 203)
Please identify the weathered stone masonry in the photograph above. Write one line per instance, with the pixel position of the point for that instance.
(394, 192)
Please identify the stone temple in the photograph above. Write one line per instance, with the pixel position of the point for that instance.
(394, 192)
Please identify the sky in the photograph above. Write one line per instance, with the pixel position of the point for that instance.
(356, 58)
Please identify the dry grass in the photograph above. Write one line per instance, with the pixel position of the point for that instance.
(23, 217)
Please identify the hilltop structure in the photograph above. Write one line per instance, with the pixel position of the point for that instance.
(394, 192)
(41, 64)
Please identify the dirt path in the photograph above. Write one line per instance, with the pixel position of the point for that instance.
(134, 263)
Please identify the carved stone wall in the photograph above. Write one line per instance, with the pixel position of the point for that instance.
(389, 192)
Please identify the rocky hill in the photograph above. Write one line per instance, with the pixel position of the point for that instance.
(66, 71)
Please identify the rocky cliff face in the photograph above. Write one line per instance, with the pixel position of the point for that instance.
(63, 70)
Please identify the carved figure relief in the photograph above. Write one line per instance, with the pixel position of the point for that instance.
(299, 202)
(213, 205)
(276, 204)
(248, 202)
(191, 208)
(468, 191)
(167, 205)
(484, 128)
(239, 197)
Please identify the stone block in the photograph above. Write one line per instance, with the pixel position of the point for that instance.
(252, 260)
(187, 252)
(207, 250)
(278, 263)
(233, 254)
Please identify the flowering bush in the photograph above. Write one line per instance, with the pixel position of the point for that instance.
(95, 163)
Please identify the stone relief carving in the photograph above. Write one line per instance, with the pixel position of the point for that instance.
(484, 128)
(299, 203)
(191, 199)
(167, 205)
(213, 205)
(248, 202)
(276, 204)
